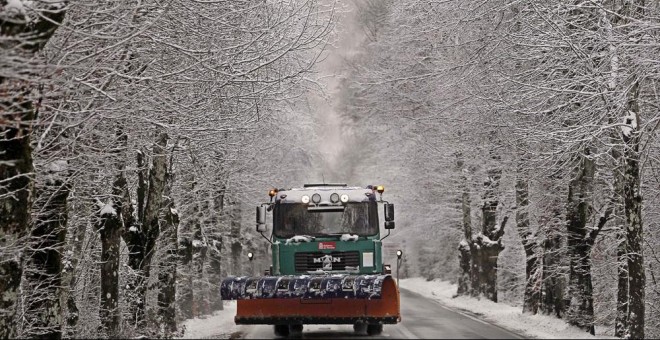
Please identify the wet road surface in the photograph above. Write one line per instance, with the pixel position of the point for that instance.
(421, 319)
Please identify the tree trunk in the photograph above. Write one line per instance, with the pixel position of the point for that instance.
(109, 226)
(200, 286)
(15, 197)
(186, 273)
(49, 237)
(134, 236)
(186, 251)
(21, 38)
(141, 238)
(622, 298)
(76, 236)
(581, 310)
(553, 274)
(236, 235)
(464, 247)
(634, 228)
(475, 268)
(488, 252)
(464, 257)
(215, 272)
(117, 212)
(489, 241)
(215, 249)
(167, 276)
(186, 278)
(554, 278)
(236, 251)
(532, 295)
(637, 276)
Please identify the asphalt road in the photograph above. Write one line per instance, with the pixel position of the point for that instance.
(421, 319)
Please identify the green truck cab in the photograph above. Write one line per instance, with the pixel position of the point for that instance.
(326, 229)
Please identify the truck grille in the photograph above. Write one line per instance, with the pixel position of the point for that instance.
(305, 261)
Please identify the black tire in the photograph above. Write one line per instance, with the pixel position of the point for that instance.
(295, 331)
(281, 330)
(374, 329)
(360, 327)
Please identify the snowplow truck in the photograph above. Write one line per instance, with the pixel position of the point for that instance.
(327, 265)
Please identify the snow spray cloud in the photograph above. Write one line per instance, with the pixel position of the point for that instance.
(334, 132)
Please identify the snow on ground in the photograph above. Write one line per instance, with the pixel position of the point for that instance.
(220, 325)
(507, 316)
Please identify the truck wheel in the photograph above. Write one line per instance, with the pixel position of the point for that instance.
(281, 330)
(295, 331)
(374, 329)
(360, 327)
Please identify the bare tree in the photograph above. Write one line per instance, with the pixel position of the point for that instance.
(167, 275)
(26, 27)
(533, 264)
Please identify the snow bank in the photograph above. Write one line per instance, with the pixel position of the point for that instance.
(220, 325)
(507, 316)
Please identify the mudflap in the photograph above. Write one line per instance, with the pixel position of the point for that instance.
(336, 299)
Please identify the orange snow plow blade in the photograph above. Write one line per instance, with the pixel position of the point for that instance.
(335, 310)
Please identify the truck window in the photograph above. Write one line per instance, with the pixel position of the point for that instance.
(292, 219)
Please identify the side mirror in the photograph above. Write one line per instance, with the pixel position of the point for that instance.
(389, 213)
(389, 224)
(261, 219)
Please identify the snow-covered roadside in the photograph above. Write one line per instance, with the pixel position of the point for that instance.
(507, 316)
(220, 325)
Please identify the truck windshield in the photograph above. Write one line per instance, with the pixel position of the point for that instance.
(292, 219)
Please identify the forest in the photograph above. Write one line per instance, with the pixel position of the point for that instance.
(519, 141)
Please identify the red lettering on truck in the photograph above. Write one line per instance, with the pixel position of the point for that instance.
(327, 245)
